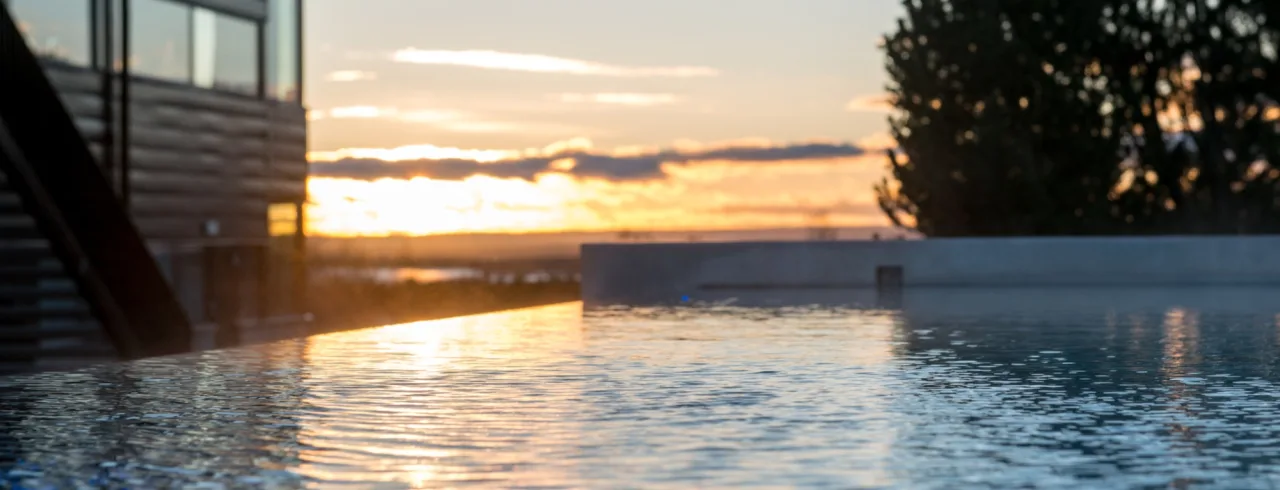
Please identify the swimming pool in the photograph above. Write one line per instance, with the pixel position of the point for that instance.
(1052, 388)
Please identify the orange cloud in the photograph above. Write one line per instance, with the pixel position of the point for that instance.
(357, 112)
(538, 63)
(870, 103)
(413, 152)
(351, 76)
(442, 119)
(878, 141)
(432, 152)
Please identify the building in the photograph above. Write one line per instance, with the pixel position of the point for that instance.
(200, 143)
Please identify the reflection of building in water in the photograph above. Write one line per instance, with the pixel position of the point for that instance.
(17, 404)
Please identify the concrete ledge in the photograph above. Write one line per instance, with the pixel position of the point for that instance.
(673, 272)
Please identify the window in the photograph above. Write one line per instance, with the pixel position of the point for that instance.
(226, 52)
(169, 40)
(160, 40)
(282, 219)
(56, 29)
(283, 51)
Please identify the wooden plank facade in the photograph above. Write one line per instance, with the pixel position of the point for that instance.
(197, 156)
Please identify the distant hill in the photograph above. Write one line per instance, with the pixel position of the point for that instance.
(544, 246)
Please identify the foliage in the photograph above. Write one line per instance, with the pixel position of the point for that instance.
(1076, 117)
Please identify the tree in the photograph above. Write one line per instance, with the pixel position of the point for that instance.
(1077, 117)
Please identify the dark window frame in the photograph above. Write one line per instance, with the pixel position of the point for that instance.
(103, 53)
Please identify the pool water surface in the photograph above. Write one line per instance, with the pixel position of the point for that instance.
(983, 389)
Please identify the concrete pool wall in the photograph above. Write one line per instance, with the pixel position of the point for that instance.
(671, 272)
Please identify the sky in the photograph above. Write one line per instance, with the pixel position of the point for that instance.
(457, 116)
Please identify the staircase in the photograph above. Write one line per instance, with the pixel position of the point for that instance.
(77, 282)
(44, 322)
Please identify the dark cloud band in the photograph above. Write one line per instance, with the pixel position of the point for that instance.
(586, 164)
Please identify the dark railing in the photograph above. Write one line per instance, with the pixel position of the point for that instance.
(50, 166)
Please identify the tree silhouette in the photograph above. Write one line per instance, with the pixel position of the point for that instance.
(1078, 117)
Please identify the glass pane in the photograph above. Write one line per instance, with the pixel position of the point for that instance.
(160, 40)
(226, 52)
(56, 29)
(236, 64)
(282, 219)
(283, 81)
(204, 47)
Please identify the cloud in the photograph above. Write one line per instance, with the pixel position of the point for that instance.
(441, 119)
(878, 141)
(870, 103)
(626, 99)
(446, 169)
(802, 209)
(408, 153)
(575, 160)
(357, 112)
(538, 63)
(351, 76)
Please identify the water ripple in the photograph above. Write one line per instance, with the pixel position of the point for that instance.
(719, 396)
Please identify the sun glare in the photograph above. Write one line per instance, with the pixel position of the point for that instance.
(696, 198)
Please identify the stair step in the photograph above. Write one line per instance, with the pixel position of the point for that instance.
(25, 251)
(34, 271)
(51, 331)
(24, 244)
(15, 226)
(10, 202)
(42, 312)
(32, 292)
(16, 220)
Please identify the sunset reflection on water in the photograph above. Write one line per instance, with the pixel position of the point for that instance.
(419, 427)
(1005, 389)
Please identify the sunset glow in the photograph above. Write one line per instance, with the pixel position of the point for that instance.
(536, 118)
(413, 152)
(708, 196)
(543, 64)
